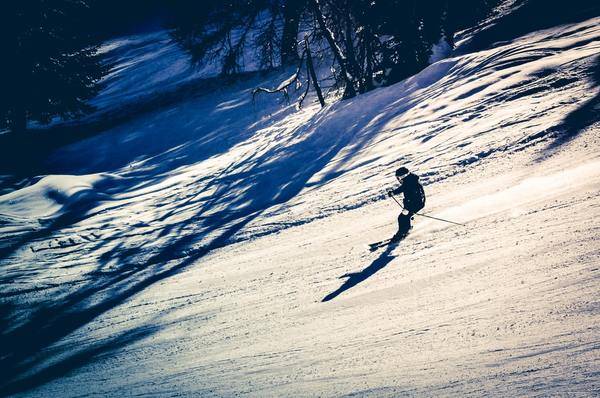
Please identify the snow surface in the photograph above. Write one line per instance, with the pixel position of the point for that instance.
(188, 251)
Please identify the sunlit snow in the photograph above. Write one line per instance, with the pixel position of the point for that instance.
(187, 250)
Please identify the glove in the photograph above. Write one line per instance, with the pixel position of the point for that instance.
(390, 193)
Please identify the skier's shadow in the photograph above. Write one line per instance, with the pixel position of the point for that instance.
(354, 278)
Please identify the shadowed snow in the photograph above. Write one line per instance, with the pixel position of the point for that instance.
(187, 248)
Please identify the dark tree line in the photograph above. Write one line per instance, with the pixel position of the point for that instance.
(50, 66)
(372, 42)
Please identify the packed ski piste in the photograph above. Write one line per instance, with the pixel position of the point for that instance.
(219, 246)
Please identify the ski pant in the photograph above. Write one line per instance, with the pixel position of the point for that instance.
(403, 225)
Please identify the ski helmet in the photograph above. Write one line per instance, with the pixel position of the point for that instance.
(401, 172)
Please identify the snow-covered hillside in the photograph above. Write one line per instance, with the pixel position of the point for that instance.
(187, 251)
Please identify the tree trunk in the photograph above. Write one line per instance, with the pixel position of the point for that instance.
(289, 39)
(368, 43)
(313, 74)
(350, 54)
(349, 91)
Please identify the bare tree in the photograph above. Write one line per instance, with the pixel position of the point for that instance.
(295, 80)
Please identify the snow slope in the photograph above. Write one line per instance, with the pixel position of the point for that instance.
(188, 251)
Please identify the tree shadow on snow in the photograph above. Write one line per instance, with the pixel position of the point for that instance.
(127, 259)
(41, 339)
(21, 161)
(354, 278)
(83, 202)
(202, 213)
(33, 352)
(144, 135)
(72, 358)
(577, 120)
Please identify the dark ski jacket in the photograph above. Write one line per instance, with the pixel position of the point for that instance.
(414, 194)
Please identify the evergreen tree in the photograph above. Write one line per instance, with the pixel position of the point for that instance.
(50, 66)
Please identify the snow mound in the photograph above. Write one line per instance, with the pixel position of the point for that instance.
(52, 195)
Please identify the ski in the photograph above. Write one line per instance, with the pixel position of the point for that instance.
(376, 245)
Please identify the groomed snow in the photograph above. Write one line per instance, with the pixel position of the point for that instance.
(188, 251)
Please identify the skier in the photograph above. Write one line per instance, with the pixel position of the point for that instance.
(414, 200)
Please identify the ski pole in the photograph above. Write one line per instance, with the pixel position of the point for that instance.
(440, 219)
(424, 215)
(396, 200)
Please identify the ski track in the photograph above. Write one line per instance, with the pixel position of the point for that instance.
(187, 252)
